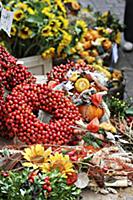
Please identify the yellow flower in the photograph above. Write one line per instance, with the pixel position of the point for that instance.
(18, 15)
(55, 25)
(82, 24)
(48, 53)
(66, 40)
(13, 30)
(60, 6)
(25, 33)
(36, 156)
(21, 5)
(30, 11)
(60, 162)
(64, 22)
(47, 1)
(47, 11)
(46, 32)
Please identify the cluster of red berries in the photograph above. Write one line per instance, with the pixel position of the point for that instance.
(16, 75)
(22, 122)
(58, 73)
(6, 59)
(11, 74)
(47, 184)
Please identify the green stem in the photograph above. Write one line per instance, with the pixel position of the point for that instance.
(30, 47)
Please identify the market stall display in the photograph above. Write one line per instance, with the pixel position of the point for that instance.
(68, 132)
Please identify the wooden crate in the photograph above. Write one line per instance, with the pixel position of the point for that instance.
(37, 65)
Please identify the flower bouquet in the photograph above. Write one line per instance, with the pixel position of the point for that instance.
(41, 27)
(37, 173)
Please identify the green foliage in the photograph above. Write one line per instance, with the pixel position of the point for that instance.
(91, 140)
(10, 186)
(117, 107)
(108, 20)
(17, 186)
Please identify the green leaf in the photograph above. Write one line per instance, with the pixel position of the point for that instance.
(35, 19)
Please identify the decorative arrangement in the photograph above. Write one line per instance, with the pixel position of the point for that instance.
(41, 174)
(72, 131)
(43, 27)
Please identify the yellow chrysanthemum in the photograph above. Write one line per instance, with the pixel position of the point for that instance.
(25, 33)
(18, 15)
(21, 5)
(30, 11)
(64, 22)
(13, 30)
(82, 24)
(36, 156)
(60, 162)
(48, 53)
(46, 31)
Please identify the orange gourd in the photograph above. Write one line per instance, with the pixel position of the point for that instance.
(89, 112)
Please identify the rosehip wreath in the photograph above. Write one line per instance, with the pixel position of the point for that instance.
(23, 123)
(11, 74)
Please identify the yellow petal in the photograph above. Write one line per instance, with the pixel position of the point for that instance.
(27, 164)
(47, 152)
(45, 167)
(28, 151)
(39, 149)
(26, 157)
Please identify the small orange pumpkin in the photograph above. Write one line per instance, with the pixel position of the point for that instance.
(95, 34)
(87, 45)
(88, 36)
(89, 112)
